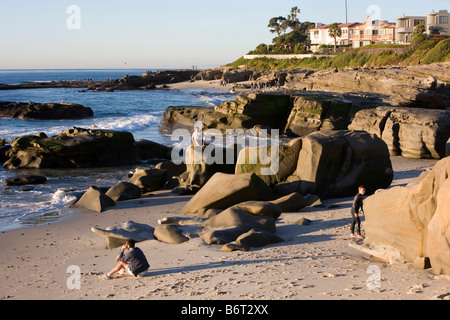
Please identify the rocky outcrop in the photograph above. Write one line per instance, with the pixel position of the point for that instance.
(422, 87)
(413, 220)
(150, 79)
(224, 190)
(244, 112)
(409, 132)
(335, 163)
(25, 180)
(44, 111)
(73, 148)
(318, 113)
(265, 109)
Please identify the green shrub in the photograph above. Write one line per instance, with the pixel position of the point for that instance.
(439, 53)
(343, 60)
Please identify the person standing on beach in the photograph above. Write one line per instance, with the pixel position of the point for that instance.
(357, 208)
(131, 259)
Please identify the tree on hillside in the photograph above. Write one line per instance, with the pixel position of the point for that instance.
(335, 31)
(277, 25)
(419, 35)
(298, 31)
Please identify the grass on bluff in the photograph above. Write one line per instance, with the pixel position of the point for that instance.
(377, 55)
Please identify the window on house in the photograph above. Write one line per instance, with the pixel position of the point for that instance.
(375, 32)
(443, 19)
(417, 22)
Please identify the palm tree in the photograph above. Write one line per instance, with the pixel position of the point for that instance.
(334, 32)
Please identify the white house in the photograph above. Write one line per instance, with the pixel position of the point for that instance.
(320, 35)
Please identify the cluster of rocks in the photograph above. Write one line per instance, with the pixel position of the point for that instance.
(143, 181)
(228, 211)
(410, 132)
(148, 81)
(80, 148)
(423, 86)
(44, 111)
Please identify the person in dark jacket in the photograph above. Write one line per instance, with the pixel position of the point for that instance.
(357, 208)
(130, 259)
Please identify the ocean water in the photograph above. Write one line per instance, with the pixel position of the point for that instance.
(136, 111)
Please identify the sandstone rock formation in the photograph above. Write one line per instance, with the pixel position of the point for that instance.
(318, 113)
(230, 224)
(170, 234)
(414, 219)
(224, 190)
(44, 111)
(409, 132)
(335, 163)
(116, 236)
(266, 109)
(149, 179)
(411, 85)
(73, 148)
(202, 164)
(124, 191)
(272, 165)
(94, 199)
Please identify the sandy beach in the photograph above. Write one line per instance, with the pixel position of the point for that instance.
(314, 261)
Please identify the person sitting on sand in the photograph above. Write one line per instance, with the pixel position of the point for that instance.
(131, 260)
(357, 207)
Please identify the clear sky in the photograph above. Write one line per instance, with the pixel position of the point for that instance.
(162, 33)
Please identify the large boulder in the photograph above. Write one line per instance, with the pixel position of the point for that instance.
(266, 108)
(25, 180)
(116, 236)
(291, 203)
(414, 219)
(94, 199)
(335, 163)
(224, 190)
(272, 165)
(254, 239)
(124, 191)
(235, 217)
(169, 233)
(149, 179)
(318, 113)
(230, 224)
(152, 150)
(202, 163)
(73, 148)
(409, 132)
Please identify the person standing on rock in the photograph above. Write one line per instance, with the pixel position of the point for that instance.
(197, 138)
(357, 208)
(131, 260)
